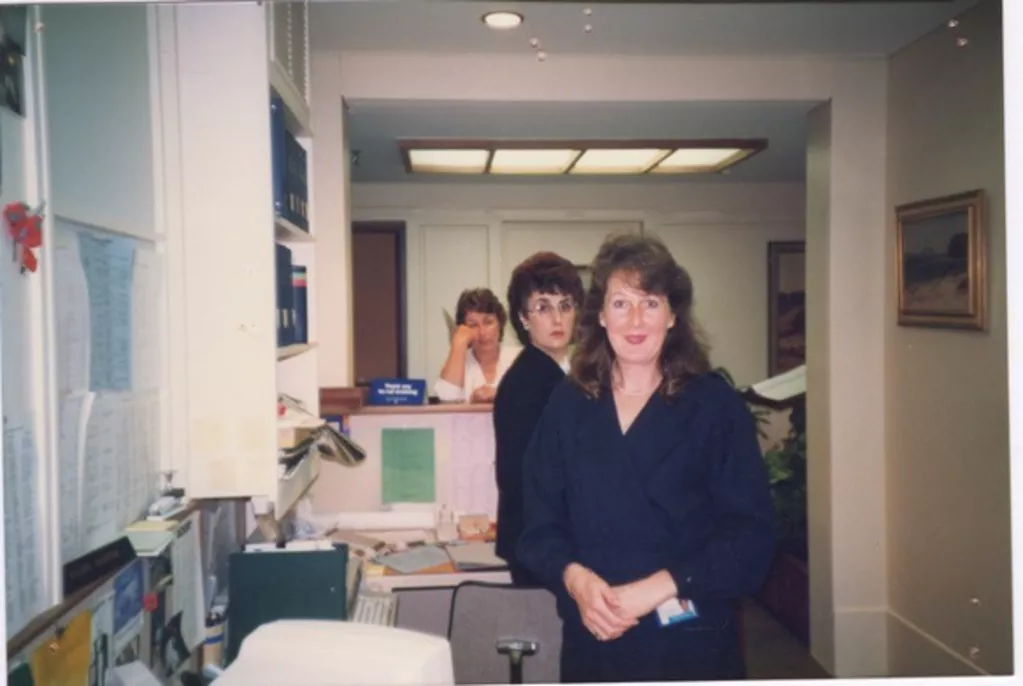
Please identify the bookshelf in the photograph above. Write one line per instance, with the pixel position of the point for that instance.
(224, 157)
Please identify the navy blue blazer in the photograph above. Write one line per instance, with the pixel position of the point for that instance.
(520, 401)
(684, 489)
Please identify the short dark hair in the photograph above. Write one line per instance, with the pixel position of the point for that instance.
(483, 301)
(543, 272)
(684, 355)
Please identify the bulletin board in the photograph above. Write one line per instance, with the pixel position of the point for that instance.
(101, 629)
(82, 360)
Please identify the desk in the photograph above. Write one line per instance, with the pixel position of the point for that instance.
(463, 451)
(424, 600)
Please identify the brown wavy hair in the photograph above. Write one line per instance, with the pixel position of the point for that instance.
(483, 301)
(544, 272)
(648, 264)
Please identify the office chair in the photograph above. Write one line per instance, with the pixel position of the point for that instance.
(502, 634)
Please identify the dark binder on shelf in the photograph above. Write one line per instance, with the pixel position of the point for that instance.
(267, 585)
(285, 296)
(278, 152)
(301, 297)
(290, 170)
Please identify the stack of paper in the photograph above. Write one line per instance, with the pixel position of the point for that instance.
(416, 559)
(475, 556)
(149, 538)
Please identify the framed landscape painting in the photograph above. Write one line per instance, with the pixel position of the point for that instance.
(786, 306)
(941, 262)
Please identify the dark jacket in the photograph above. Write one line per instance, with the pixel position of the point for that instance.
(518, 405)
(684, 489)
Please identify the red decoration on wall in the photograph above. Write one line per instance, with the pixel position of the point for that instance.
(25, 226)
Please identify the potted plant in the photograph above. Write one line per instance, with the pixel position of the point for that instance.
(786, 591)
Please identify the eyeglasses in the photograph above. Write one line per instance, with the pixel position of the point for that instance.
(545, 308)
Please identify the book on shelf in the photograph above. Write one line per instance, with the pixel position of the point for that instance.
(285, 297)
(290, 169)
(301, 301)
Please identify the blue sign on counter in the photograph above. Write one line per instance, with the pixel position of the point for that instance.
(397, 392)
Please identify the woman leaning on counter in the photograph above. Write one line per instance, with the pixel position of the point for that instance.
(647, 506)
(477, 360)
(544, 292)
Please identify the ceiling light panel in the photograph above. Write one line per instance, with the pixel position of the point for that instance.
(699, 160)
(532, 161)
(618, 161)
(448, 161)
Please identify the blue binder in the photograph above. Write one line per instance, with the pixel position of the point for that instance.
(285, 297)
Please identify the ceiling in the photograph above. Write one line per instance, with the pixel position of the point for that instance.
(796, 28)
(375, 126)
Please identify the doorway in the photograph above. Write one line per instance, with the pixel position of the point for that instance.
(378, 300)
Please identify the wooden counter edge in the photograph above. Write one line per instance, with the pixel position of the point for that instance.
(443, 408)
(352, 401)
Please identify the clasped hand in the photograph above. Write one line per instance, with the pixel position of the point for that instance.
(608, 612)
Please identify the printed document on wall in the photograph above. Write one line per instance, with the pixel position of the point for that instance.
(23, 539)
(146, 296)
(108, 470)
(72, 304)
(472, 464)
(74, 419)
(109, 269)
(186, 566)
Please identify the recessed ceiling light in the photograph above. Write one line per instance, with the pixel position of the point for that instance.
(502, 20)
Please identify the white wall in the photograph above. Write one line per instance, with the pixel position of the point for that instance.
(947, 400)
(728, 265)
(818, 413)
(330, 200)
(100, 120)
(458, 239)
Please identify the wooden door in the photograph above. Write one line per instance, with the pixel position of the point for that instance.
(378, 300)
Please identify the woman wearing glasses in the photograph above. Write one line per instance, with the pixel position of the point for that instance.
(647, 507)
(543, 295)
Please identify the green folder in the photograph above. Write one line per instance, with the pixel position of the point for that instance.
(264, 586)
(20, 676)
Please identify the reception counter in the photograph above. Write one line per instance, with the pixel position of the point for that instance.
(459, 437)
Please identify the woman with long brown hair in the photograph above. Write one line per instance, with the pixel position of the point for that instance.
(647, 510)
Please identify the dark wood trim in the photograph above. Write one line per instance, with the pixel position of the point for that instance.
(341, 400)
(776, 249)
(398, 229)
(405, 144)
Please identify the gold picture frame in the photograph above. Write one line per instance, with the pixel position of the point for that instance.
(941, 262)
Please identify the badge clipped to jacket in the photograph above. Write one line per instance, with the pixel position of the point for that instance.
(676, 610)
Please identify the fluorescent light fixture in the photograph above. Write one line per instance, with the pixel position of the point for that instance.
(448, 161)
(697, 160)
(538, 161)
(618, 161)
(579, 157)
(502, 19)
